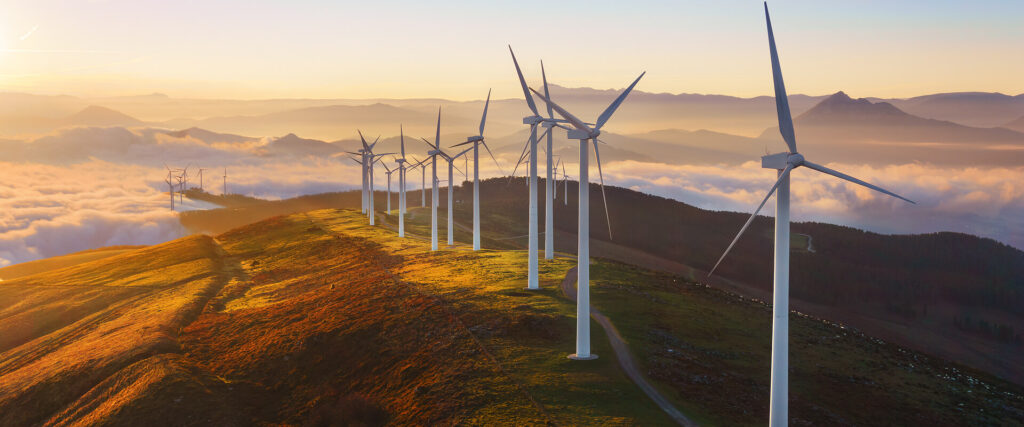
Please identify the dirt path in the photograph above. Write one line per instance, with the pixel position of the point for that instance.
(625, 358)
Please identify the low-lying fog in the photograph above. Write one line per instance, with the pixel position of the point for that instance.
(83, 188)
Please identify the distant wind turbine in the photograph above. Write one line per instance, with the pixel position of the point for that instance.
(225, 191)
(401, 183)
(432, 155)
(585, 134)
(784, 163)
(388, 171)
(170, 185)
(477, 140)
(201, 178)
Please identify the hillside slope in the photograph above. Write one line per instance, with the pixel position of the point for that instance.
(312, 318)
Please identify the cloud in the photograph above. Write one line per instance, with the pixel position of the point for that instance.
(986, 202)
(89, 187)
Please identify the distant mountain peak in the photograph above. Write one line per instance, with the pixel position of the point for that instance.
(95, 115)
(842, 106)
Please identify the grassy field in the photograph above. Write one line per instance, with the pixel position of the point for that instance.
(311, 318)
(711, 351)
(53, 263)
(318, 319)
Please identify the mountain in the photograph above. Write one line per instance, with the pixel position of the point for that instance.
(858, 130)
(318, 319)
(323, 121)
(1017, 125)
(95, 115)
(291, 144)
(209, 136)
(979, 109)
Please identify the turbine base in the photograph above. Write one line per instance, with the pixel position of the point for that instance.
(575, 357)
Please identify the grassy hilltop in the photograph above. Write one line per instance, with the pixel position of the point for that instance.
(318, 319)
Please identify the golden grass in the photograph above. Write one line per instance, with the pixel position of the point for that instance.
(53, 263)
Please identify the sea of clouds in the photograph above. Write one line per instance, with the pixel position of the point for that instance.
(84, 188)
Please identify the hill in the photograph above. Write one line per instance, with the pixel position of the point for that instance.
(373, 329)
(95, 115)
(53, 263)
(858, 130)
(981, 109)
(1017, 125)
(948, 294)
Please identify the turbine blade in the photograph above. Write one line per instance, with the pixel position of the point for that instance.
(401, 136)
(428, 143)
(781, 100)
(461, 144)
(483, 119)
(437, 136)
(607, 216)
(522, 81)
(784, 173)
(841, 175)
(607, 114)
(484, 143)
(565, 114)
(362, 139)
(546, 93)
(521, 157)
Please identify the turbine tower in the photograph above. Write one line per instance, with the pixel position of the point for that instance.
(170, 185)
(531, 147)
(225, 190)
(477, 140)
(401, 183)
(784, 163)
(585, 135)
(201, 178)
(388, 171)
(432, 155)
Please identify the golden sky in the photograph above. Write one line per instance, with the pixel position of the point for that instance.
(457, 49)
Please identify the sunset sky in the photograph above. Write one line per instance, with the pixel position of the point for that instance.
(407, 49)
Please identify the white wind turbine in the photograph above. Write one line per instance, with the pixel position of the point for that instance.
(373, 159)
(532, 280)
(225, 190)
(477, 140)
(784, 163)
(586, 134)
(388, 171)
(437, 151)
(170, 185)
(432, 155)
(401, 183)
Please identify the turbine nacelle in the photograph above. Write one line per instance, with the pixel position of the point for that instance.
(532, 120)
(580, 134)
(780, 161)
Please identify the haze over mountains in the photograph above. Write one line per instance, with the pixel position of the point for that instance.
(700, 149)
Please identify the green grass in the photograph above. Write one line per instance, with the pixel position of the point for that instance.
(710, 351)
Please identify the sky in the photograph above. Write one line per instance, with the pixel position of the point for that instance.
(456, 49)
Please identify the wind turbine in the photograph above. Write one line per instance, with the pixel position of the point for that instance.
(432, 155)
(388, 171)
(451, 190)
(586, 134)
(401, 184)
(201, 178)
(170, 185)
(225, 181)
(532, 276)
(784, 163)
(477, 140)
(373, 159)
